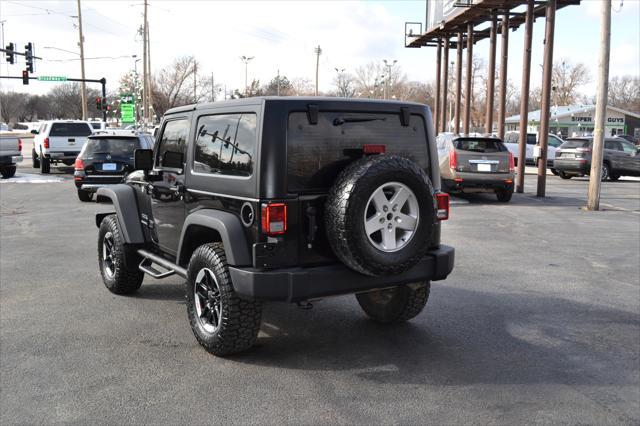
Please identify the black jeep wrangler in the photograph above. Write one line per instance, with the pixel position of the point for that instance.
(284, 199)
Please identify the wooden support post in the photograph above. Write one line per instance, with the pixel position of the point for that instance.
(504, 50)
(546, 96)
(467, 88)
(456, 120)
(491, 75)
(436, 107)
(524, 96)
(445, 87)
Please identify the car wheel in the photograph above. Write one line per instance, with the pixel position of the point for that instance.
(604, 174)
(45, 165)
(504, 195)
(85, 195)
(563, 175)
(111, 257)
(554, 171)
(222, 322)
(378, 215)
(8, 171)
(35, 162)
(397, 304)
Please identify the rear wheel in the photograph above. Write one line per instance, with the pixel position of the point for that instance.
(45, 165)
(35, 162)
(85, 195)
(111, 257)
(8, 171)
(563, 175)
(397, 304)
(504, 195)
(222, 322)
(605, 171)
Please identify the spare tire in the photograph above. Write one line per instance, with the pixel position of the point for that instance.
(380, 215)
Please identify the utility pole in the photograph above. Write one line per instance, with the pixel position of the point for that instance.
(195, 82)
(593, 201)
(386, 80)
(318, 52)
(278, 86)
(246, 61)
(83, 87)
(145, 89)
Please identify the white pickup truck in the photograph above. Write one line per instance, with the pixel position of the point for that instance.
(10, 154)
(58, 141)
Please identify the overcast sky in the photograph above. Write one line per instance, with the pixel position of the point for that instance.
(281, 35)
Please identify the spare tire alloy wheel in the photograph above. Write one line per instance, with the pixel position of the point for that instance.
(391, 216)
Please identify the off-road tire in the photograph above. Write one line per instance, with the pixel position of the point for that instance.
(123, 280)
(397, 304)
(8, 171)
(45, 165)
(239, 320)
(85, 196)
(345, 210)
(504, 195)
(35, 162)
(563, 175)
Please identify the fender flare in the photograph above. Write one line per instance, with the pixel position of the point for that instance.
(123, 198)
(230, 229)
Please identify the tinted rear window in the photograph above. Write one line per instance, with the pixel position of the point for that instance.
(480, 145)
(113, 146)
(576, 143)
(317, 153)
(70, 129)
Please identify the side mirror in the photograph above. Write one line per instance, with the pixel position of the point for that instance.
(173, 160)
(34, 132)
(143, 159)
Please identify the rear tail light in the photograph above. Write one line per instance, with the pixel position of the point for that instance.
(274, 218)
(453, 160)
(583, 149)
(374, 149)
(512, 163)
(79, 165)
(20, 145)
(46, 142)
(443, 206)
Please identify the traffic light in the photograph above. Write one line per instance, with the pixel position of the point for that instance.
(9, 55)
(28, 53)
(99, 104)
(25, 77)
(104, 104)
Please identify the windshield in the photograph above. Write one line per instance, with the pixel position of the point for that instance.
(576, 143)
(123, 147)
(70, 129)
(480, 145)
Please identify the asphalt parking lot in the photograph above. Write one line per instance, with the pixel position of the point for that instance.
(538, 323)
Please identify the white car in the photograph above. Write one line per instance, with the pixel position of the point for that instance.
(511, 142)
(553, 144)
(58, 141)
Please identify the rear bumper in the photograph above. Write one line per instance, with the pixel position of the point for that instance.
(10, 159)
(471, 183)
(68, 155)
(91, 183)
(572, 166)
(298, 284)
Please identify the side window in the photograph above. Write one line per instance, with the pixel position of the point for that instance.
(531, 139)
(612, 145)
(225, 144)
(554, 142)
(628, 148)
(174, 139)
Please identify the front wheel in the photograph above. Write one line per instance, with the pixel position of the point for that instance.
(397, 304)
(222, 322)
(605, 171)
(111, 257)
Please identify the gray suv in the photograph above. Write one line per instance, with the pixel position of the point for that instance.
(620, 158)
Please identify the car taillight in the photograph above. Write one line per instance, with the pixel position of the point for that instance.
(20, 145)
(274, 218)
(79, 165)
(453, 160)
(512, 163)
(583, 149)
(442, 199)
(374, 149)
(46, 142)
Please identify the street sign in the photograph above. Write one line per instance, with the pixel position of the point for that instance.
(52, 78)
(127, 113)
(127, 98)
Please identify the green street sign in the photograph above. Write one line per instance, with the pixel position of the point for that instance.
(52, 78)
(127, 113)
(127, 98)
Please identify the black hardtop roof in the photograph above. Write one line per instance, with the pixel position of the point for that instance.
(258, 100)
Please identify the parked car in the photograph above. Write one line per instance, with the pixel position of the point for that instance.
(286, 199)
(630, 138)
(553, 143)
(10, 155)
(58, 142)
(476, 164)
(106, 159)
(98, 125)
(511, 142)
(620, 158)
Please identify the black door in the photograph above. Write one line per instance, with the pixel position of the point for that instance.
(167, 193)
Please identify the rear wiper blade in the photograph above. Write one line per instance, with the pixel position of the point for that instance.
(341, 120)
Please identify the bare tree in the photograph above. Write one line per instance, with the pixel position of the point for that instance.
(566, 79)
(66, 101)
(173, 85)
(345, 84)
(624, 92)
(12, 106)
(302, 87)
(278, 84)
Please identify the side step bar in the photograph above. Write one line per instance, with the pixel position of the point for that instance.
(150, 258)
